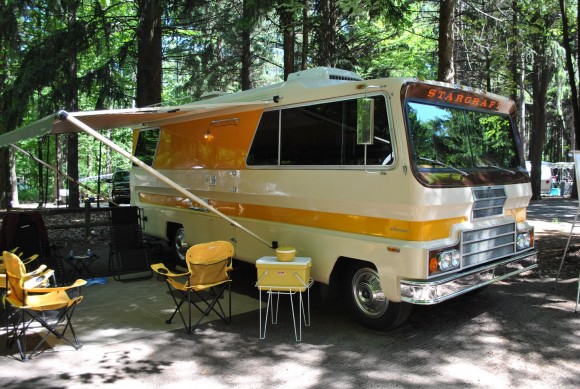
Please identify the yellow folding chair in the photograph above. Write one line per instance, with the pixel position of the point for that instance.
(34, 279)
(30, 304)
(207, 278)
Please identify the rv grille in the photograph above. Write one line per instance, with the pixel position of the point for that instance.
(487, 244)
(488, 202)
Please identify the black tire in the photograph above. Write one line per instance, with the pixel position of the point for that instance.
(366, 301)
(178, 246)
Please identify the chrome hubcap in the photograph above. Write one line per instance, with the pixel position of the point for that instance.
(180, 245)
(367, 293)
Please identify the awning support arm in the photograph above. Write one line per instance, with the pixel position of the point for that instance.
(57, 171)
(63, 115)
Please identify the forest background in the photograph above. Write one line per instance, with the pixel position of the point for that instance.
(105, 54)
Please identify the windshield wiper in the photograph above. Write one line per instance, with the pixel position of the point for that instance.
(503, 169)
(435, 162)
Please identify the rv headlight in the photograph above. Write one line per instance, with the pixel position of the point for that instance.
(449, 260)
(523, 240)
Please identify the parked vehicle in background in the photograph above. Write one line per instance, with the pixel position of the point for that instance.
(120, 187)
(548, 181)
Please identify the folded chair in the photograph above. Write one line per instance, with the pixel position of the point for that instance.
(202, 287)
(34, 305)
(129, 256)
(25, 234)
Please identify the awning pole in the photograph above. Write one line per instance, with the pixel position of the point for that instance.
(63, 115)
(52, 168)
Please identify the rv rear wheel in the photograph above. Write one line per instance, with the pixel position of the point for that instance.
(367, 302)
(178, 246)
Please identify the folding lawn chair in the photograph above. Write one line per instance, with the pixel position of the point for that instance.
(209, 265)
(129, 256)
(30, 304)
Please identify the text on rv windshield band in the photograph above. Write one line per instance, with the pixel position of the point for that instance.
(461, 98)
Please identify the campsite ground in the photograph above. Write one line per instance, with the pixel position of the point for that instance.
(521, 332)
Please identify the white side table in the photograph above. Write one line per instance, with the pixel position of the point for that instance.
(284, 278)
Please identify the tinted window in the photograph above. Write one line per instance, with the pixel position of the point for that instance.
(321, 134)
(264, 149)
(147, 145)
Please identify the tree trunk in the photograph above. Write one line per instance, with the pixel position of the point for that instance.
(541, 75)
(13, 179)
(41, 187)
(246, 46)
(571, 70)
(446, 70)
(327, 37)
(72, 163)
(518, 70)
(5, 179)
(305, 38)
(58, 163)
(149, 53)
(287, 26)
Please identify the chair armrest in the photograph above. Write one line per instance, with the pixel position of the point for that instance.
(40, 280)
(76, 284)
(29, 259)
(36, 280)
(160, 268)
(37, 271)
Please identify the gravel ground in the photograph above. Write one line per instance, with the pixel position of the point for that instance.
(518, 333)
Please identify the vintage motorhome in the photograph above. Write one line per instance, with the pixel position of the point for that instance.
(401, 191)
(429, 205)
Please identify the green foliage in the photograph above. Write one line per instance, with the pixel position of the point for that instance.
(202, 53)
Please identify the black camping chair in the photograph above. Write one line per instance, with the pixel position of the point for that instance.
(129, 258)
(25, 234)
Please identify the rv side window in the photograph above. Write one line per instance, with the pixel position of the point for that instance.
(320, 134)
(147, 145)
(264, 149)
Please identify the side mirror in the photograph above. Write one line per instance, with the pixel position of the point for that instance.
(365, 121)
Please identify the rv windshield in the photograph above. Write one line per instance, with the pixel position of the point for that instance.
(453, 138)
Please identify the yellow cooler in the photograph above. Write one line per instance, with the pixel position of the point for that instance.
(274, 275)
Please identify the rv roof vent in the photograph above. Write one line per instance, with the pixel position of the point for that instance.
(324, 73)
(211, 95)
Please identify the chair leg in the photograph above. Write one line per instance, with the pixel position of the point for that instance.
(66, 319)
(19, 322)
(18, 335)
(177, 305)
(212, 306)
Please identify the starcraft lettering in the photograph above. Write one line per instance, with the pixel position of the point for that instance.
(462, 98)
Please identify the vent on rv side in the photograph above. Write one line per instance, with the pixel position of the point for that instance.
(324, 73)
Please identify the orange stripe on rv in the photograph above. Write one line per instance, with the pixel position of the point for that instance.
(386, 228)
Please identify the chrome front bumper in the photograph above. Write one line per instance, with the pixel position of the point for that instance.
(436, 291)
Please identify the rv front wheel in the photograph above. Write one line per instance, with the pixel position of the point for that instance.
(178, 246)
(367, 302)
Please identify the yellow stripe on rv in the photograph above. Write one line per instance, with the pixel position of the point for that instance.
(385, 228)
